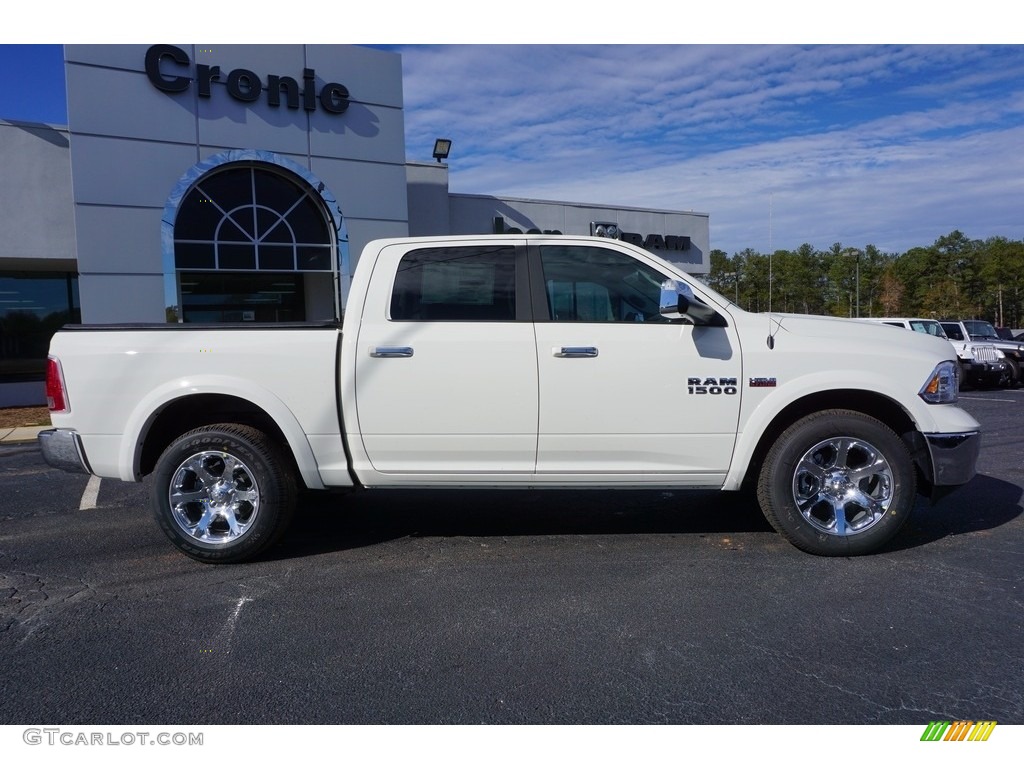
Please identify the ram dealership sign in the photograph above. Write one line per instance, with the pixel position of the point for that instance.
(609, 229)
(652, 242)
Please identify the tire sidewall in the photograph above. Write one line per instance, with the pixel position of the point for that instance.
(775, 487)
(1014, 374)
(252, 449)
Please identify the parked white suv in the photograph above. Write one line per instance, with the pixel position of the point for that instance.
(980, 364)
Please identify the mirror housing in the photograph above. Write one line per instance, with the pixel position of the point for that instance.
(678, 301)
(674, 300)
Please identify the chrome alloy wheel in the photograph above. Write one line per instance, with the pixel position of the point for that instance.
(214, 497)
(843, 486)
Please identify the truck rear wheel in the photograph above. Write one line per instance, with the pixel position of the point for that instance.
(223, 493)
(837, 482)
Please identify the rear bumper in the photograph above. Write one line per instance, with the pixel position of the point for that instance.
(62, 448)
(953, 457)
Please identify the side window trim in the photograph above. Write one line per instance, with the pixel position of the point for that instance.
(525, 308)
(538, 289)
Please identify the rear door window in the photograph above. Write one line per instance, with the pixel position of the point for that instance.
(464, 283)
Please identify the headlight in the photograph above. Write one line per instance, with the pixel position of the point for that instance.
(943, 386)
(1000, 354)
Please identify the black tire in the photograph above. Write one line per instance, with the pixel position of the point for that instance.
(960, 373)
(223, 493)
(1014, 376)
(837, 483)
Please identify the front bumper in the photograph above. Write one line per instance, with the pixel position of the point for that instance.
(953, 457)
(986, 372)
(62, 448)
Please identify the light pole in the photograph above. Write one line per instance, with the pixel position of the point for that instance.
(855, 252)
(858, 283)
(736, 276)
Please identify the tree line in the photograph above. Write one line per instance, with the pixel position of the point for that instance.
(955, 277)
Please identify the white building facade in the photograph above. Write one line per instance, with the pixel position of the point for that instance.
(234, 183)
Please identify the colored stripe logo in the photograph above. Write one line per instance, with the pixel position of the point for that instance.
(960, 730)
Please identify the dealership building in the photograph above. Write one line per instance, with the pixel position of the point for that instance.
(235, 183)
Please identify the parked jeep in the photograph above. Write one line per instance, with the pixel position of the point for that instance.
(981, 331)
(980, 365)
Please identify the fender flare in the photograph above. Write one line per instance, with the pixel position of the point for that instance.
(756, 423)
(146, 411)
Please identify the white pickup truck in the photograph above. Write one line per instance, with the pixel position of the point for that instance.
(515, 361)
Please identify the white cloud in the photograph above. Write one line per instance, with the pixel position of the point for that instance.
(892, 146)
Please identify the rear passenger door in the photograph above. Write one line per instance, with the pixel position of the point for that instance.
(446, 367)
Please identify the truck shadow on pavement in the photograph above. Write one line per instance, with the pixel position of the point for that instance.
(984, 504)
(334, 522)
(337, 522)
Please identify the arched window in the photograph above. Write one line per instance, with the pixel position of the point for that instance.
(255, 217)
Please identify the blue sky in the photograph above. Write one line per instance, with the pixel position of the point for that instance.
(890, 145)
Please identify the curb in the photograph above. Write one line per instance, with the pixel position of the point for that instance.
(10, 435)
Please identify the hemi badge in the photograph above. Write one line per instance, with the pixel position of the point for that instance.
(762, 382)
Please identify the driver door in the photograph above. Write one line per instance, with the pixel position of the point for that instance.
(617, 397)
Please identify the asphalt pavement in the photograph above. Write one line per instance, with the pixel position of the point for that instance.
(523, 607)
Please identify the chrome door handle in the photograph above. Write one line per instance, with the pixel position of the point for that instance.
(574, 351)
(390, 351)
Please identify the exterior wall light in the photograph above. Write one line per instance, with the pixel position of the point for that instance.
(441, 149)
(605, 229)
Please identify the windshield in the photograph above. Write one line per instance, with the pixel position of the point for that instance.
(931, 327)
(979, 329)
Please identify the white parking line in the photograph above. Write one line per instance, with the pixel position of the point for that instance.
(987, 399)
(92, 493)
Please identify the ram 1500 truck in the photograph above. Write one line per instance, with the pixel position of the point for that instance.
(514, 361)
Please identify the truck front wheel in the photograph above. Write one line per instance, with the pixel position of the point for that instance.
(223, 493)
(837, 482)
(1013, 378)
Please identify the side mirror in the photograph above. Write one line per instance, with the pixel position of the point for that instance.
(678, 301)
(675, 299)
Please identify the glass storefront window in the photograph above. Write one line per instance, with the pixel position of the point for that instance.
(259, 297)
(33, 306)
